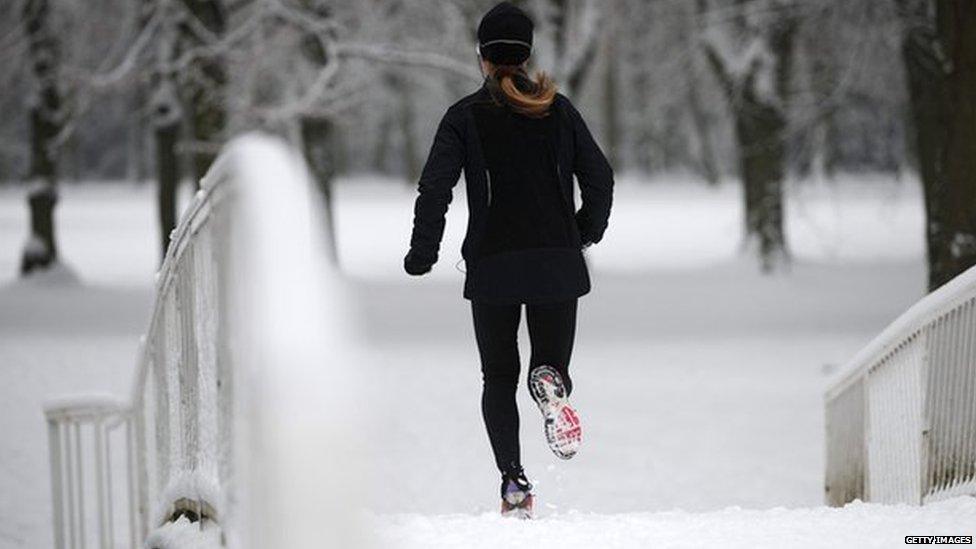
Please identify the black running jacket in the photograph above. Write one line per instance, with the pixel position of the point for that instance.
(525, 236)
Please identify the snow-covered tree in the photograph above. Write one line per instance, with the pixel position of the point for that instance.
(749, 45)
(567, 37)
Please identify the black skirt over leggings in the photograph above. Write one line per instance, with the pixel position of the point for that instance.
(552, 327)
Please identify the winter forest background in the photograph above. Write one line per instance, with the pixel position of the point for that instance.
(761, 91)
(791, 176)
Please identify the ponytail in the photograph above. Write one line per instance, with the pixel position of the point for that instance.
(527, 96)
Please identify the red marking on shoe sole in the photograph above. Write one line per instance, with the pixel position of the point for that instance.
(568, 428)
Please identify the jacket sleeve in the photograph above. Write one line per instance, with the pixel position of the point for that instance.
(595, 178)
(440, 174)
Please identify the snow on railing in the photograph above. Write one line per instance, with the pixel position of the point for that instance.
(901, 416)
(234, 418)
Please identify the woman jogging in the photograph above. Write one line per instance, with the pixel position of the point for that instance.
(519, 144)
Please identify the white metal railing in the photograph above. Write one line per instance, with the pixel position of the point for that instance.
(240, 371)
(901, 416)
(80, 434)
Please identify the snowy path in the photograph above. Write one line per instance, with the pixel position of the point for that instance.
(697, 425)
(857, 525)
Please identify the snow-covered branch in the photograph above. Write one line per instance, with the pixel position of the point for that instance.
(736, 58)
(580, 47)
(130, 62)
(390, 53)
(567, 37)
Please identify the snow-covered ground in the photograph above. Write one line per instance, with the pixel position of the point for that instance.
(699, 380)
(58, 338)
(858, 525)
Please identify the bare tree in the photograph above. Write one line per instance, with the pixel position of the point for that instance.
(751, 56)
(47, 115)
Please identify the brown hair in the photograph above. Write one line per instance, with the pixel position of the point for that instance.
(525, 95)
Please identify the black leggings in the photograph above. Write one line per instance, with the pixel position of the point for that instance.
(552, 327)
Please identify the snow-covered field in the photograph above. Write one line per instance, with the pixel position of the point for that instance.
(699, 380)
(672, 225)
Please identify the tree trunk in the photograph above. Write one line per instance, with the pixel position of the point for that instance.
(41, 251)
(578, 73)
(762, 155)
(319, 134)
(46, 123)
(926, 91)
(707, 165)
(318, 144)
(205, 92)
(168, 174)
(939, 51)
(760, 124)
(135, 153)
(957, 28)
(823, 160)
(706, 162)
(560, 20)
(166, 119)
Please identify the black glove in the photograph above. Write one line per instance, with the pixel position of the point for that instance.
(417, 264)
(583, 224)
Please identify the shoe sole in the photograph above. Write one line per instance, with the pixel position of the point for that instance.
(561, 422)
(522, 510)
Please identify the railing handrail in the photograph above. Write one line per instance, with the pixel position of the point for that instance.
(924, 312)
(900, 415)
(83, 408)
(192, 219)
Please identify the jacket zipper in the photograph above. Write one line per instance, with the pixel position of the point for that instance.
(488, 176)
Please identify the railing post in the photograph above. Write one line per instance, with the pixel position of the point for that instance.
(110, 523)
(130, 473)
(867, 427)
(926, 450)
(100, 482)
(971, 389)
(70, 473)
(79, 461)
(57, 488)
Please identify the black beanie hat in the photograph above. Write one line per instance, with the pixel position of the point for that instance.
(505, 35)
